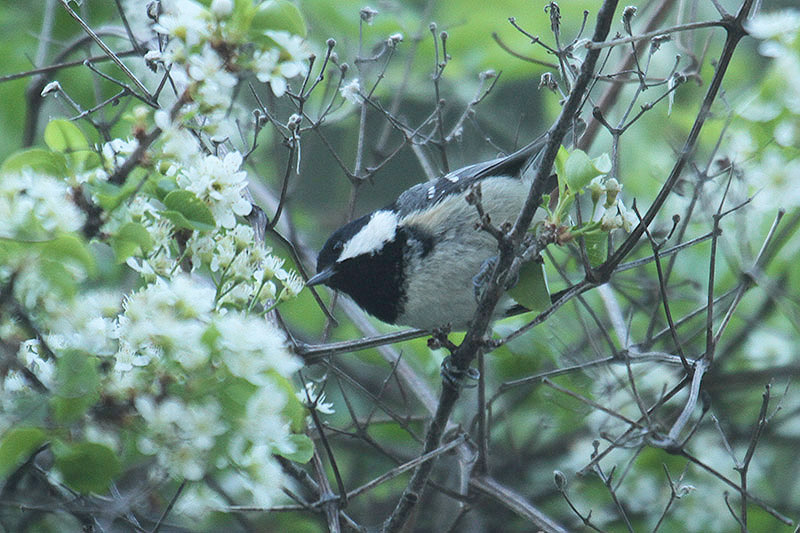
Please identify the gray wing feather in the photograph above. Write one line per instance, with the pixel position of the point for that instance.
(516, 164)
(520, 164)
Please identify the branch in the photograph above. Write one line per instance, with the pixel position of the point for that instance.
(474, 341)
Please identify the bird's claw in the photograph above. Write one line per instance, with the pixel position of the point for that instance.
(456, 377)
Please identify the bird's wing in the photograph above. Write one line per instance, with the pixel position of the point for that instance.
(426, 194)
(519, 163)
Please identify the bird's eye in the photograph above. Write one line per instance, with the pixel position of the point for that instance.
(337, 247)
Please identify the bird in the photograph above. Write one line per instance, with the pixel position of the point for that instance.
(416, 261)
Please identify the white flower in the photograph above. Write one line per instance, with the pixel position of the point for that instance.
(202, 423)
(267, 70)
(166, 319)
(292, 285)
(185, 20)
(223, 253)
(251, 346)
(295, 52)
(160, 417)
(36, 207)
(244, 236)
(264, 423)
(219, 183)
(198, 500)
(274, 66)
(215, 84)
(352, 92)
(177, 142)
(777, 24)
(311, 398)
(222, 8)
(116, 151)
(29, 356)
(191, 299)
(610, 220)
(628, 217)
(596, 188)
(184, 461)
(272, 267)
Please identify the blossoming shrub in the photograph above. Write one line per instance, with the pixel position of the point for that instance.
(140, 293)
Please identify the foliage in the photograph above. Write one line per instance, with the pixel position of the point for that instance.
(162, 365)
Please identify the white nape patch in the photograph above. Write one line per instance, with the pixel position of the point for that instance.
(380, 229)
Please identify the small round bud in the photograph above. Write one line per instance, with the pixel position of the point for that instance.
(655, 42)
(331, 42)
(52, 87)
(219, 139)
(151, 59)
(548, 81)
(627, 14)
(368, 14)
(140, 113)
(294, 122)
(222, 8)
(596, 188)
(394, 39)
(560, 479)
(612, 190)
(153, 10)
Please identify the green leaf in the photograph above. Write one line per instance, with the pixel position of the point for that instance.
(17, 446)
(579, 171)
(110, 196)
(187, 211)
(131, 239)
(303, 448)
(178, 220)
(602, 163)
(234, 396)
(38, 160)
(596, 248)
(68, 247)
(59, 277)
(77, 386)
(295, 410)
(87, 466)
(278, 15)
(560, 164)
(65, 137)
(162, 187)
(531, 290)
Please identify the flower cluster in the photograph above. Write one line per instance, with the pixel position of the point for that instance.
(211, 44)
(142, 301)
(612, 212)
(766, 148)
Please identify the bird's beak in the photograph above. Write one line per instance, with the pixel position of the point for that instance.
(321, 276)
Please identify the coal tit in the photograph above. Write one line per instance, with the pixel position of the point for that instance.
(413, 262)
